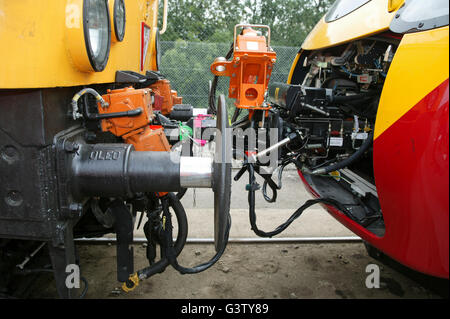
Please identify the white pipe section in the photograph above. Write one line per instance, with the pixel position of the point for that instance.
(164, 28)
(196, 172)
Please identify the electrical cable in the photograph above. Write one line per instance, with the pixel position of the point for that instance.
(343, 68)
(278, 186)
(253, 186)
(354, 98)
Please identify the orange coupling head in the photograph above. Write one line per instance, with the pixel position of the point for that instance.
(251, 67)
(165, 97)
(128, 114)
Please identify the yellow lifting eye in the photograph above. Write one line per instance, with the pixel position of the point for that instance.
(394, 4)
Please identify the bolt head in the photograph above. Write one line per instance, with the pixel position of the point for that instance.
(76, 209)
(71, 147)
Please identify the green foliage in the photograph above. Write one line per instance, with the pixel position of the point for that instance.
(201, 30)
(214, 20)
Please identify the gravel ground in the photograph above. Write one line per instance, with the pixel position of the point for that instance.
(270, 271)
(257, 271)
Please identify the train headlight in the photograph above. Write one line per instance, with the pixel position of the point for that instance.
(88, 34)
(97, 32)
(117, 7)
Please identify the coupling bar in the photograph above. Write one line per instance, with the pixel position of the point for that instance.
(112, 170)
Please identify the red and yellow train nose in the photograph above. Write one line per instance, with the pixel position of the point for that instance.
(411, 151)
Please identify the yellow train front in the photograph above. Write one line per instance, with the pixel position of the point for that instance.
(85, 118)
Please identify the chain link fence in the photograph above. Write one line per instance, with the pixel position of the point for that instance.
(187, 66)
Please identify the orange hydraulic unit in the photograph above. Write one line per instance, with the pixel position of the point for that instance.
(130, 114)
(165, 97)
(250, 69)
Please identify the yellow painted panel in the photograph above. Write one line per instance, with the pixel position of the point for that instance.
(294, 64)
(419, 66)
(395, 4)
(35, 45)
(369, 19)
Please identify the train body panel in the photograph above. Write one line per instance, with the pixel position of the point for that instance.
(84, 147)
(411, 138)
(29, 208)
(368, 18)
(420, 65)
(85, 117)
(411, 171)
(49, 38)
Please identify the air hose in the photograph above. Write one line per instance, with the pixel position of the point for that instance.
(348, 161)
(170, 251)
(75, 113)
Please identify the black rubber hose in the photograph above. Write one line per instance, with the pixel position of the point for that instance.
(172, 256)
(348, 161)
(251, 200)
(179, 244)
(236, 114)
(212, 94)
(351, 98)
(273, 186)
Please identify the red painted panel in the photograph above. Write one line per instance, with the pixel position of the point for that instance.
(412, 176)
(411, 161)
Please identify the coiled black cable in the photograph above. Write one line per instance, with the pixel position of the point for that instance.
(274, 186)
(252, 212)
